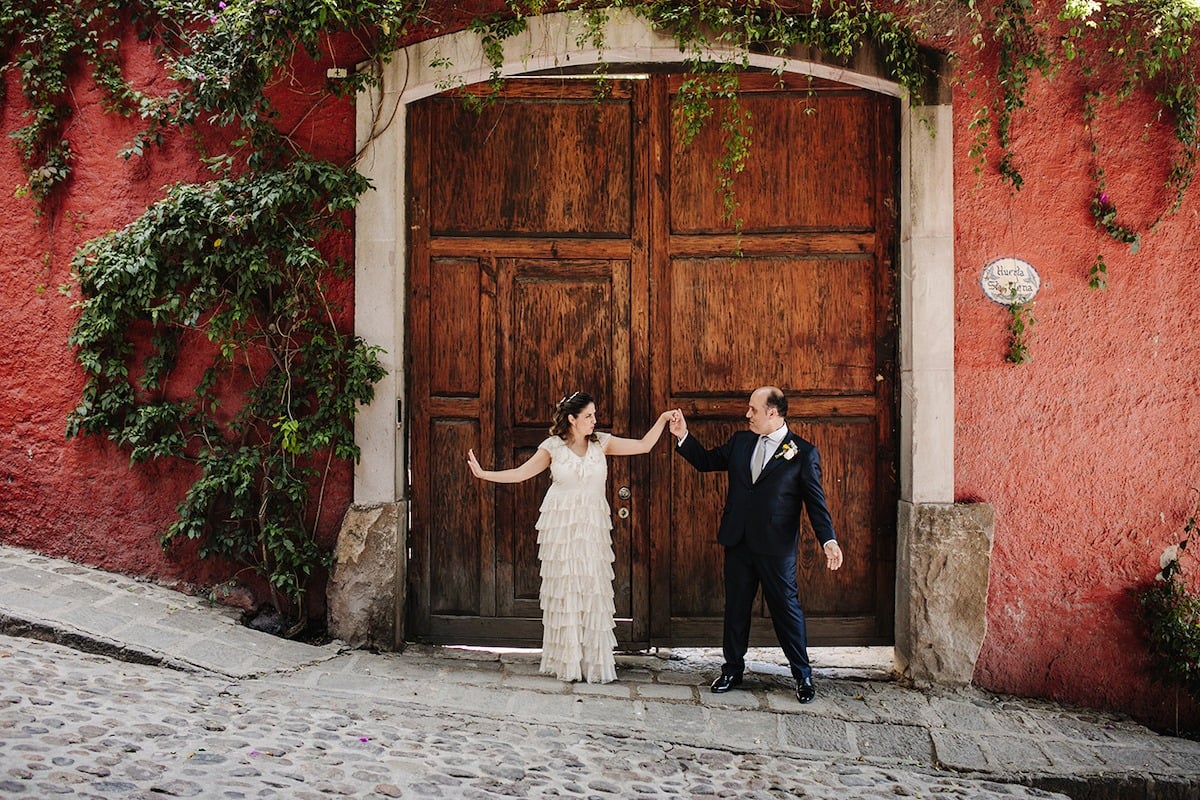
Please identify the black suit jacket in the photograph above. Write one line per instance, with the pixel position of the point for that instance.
(766, 513)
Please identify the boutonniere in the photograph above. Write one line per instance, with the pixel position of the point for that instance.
(788, 451)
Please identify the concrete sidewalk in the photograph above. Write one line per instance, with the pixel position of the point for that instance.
(859, 715)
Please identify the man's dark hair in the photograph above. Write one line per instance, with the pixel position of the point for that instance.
(777, 400)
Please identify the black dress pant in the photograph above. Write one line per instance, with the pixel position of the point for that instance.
(745, 571)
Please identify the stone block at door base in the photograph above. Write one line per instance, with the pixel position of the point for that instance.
(942, 570)
(363, 595)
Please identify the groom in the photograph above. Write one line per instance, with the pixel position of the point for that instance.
(773, 474)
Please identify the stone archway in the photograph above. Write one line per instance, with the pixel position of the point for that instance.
(938, 632)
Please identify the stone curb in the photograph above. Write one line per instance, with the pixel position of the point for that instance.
(12, 625)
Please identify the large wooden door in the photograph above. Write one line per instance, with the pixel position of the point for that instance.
(563, 240)
(524, 255)
(803, 297)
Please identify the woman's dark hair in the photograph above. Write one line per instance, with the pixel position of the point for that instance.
(570, 406)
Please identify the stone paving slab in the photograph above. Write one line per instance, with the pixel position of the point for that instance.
(857, 717)
(142, 621)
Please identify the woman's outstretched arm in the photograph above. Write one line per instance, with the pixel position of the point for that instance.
(632, 447)
(535, 465)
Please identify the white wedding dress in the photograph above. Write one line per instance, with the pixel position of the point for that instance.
(576, 554)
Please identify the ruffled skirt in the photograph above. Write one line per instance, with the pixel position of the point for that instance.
(576, 554)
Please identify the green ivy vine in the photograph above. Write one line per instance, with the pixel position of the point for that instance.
(232, 268)
(1150, 45)
(44, 42)
(839, 29)
(221, 55)
(1012, 30)
(1020, 329)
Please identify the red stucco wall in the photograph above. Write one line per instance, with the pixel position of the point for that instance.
(1087, 453)
(81, 498)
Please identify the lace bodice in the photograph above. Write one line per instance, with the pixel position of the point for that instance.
(572, 472)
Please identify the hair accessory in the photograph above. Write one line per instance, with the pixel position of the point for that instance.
(568, 398)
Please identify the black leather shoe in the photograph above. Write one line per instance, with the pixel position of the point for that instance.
(726, 682)
(805, 691)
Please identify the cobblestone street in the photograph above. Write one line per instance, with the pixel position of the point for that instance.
(80, 725)
(113, 687)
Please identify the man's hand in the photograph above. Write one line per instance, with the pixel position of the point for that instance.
(678, 424)
(833, 554)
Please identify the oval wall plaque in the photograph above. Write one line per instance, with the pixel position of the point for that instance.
(1009, 281)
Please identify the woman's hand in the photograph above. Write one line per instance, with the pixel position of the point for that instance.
(473, 463)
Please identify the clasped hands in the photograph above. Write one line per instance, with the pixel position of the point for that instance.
(676, 423)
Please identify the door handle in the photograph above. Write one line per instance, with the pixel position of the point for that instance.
(624, 493)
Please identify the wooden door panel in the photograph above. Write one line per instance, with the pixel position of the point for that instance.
(453, 531)
(789, 182)
(565, 330)
(455, 341)
(740, 321)
(516, 514)
(847, 450)
(522, 256)
(561, 333)
(528, 166)
(455, 543)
